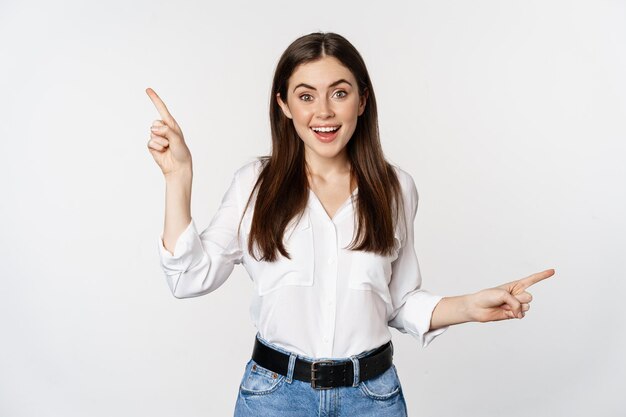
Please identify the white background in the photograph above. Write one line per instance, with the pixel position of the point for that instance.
(508, 114)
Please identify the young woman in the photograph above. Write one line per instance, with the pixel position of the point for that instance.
(324, 227)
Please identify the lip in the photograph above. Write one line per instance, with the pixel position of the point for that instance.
(326, 138)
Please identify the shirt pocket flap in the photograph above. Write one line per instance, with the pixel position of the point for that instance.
(298, 241)
(372, 272)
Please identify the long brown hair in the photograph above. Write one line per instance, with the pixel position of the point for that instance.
(282, 183)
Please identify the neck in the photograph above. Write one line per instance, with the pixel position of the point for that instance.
(327, 167)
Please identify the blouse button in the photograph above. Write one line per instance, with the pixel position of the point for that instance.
(331, 260)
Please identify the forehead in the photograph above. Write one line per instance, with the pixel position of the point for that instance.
(321, 72)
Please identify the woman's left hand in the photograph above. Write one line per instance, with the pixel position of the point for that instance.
(506, 301)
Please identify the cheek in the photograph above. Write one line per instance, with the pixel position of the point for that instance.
(351, 109)
(300, 123)
(350, 131)
(301, 111)
(301, 117)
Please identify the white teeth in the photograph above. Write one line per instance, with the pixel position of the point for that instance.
(325, 129)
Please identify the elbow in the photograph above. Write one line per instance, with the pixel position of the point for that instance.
(182, 293)
(193, 282)
(178, 290)
(187, 288)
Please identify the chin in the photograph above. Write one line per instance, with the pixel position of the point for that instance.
(326, 153)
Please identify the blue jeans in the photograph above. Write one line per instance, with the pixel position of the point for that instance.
(265, 393)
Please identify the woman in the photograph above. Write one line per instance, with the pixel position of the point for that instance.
(324, 227)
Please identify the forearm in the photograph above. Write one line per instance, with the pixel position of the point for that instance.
(177, 208)
(451, 310)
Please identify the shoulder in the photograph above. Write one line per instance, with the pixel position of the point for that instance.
(247, 174)
(245, 177)
(249, 171)
(407, 184)
(403, 175)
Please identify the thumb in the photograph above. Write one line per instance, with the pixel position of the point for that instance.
(513, 303)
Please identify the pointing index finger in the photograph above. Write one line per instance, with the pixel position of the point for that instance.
(535, 278)
(162, 109)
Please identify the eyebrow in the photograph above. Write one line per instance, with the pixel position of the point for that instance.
(313, 88)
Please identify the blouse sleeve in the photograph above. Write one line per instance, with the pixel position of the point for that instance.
(201, 262)
(412, 305)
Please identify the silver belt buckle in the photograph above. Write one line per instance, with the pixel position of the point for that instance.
(313, 370)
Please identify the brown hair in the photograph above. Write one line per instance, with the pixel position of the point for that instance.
(282, 182)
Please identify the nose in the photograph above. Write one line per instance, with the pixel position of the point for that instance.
(324, 110)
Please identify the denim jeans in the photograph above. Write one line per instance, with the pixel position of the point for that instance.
(265, 393)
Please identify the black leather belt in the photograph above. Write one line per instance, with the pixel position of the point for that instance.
(325, 374)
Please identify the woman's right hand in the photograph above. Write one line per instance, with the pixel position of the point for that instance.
(167, 144)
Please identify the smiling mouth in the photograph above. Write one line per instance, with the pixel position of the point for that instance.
(325, 129)
(326, 134)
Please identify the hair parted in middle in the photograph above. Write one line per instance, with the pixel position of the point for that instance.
(283, 182)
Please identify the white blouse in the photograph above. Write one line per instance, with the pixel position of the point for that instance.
(326, 302)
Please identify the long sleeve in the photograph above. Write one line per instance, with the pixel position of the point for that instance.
(413, 306)
(201, 262)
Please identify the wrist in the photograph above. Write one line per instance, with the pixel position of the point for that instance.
(181, 176)
(467, 309)
(452, 310)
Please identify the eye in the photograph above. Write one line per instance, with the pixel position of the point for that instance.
(341, 94)
(306, 97)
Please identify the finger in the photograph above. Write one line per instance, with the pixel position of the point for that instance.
(525, 307)
(514, 305)
(165, 132)
(509, 315)
(524, 297)
(162, 109)
(156, 126)
(160, 140)
(535, 278)
(157, 123)
(154, 145)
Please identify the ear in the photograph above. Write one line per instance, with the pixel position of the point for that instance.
(363, 101)
(283, 106)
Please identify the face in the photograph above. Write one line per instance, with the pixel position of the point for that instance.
(323, 102)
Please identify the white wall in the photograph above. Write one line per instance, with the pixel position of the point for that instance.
(509, 115)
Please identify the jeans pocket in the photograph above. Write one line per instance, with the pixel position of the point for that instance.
(383, 387)
(258, 380)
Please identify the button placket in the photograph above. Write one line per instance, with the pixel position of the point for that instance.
(331, 289)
